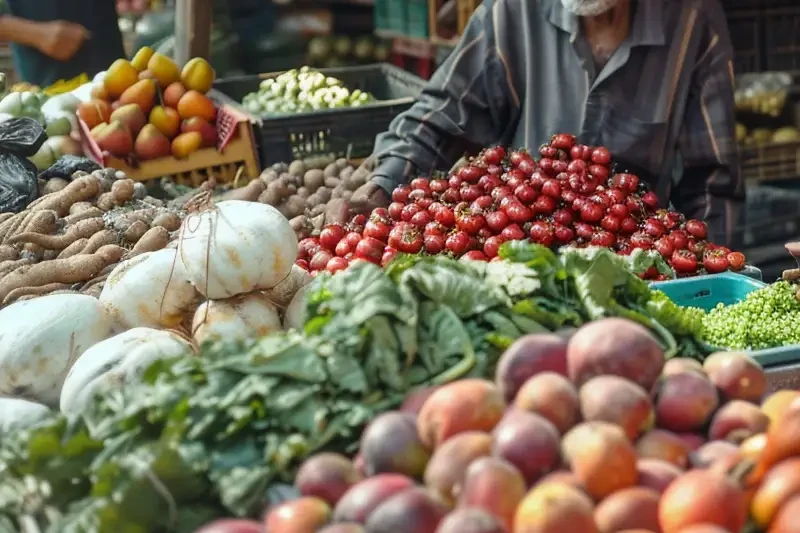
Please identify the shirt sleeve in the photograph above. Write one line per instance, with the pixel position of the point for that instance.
(711, 188)
(470, 102)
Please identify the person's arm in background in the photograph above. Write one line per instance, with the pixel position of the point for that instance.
(471, 101)
(57, 39)
(711, 188)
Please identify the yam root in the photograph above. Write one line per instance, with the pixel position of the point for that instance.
(136, 231)
(121, 222)
(248, 193)
(14, 225)
(106, 201)
(73, 249)
(101, 238)
(5, 216)
(80, 207)
(79, 268)
(54, 185)
(93, 290)
(91, 212)
(168, 220)
(8, 253)
(41, 222)
(123, 191)
(34, 251)
(77, 191)
(16, 294)
(84, 228)
(6, 267)
(49, 255)
(155, 239)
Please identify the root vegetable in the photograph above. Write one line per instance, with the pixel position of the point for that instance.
(238, 319)
(236, 247)
(269, 197)
(41, 222)
(42, 338)
(122, 222)
(295, 315)
(94, 290)
(8, 253)
(81, 229)
(80, 207)
(139, 190)
(314, 179)
(6, 267)
(150, 290)
(248, 193)
(156, 238)
(167, 220)
(73, 249)
(5, 216)
(16, 294)
(82, 214)
(283, 293)
(101, 238)
(14, 225)
(54, 185)
(116, 361)
(77, 191)
(17, 414)
(106, 201)
(70, 270)
(122, 191)
(135, 231)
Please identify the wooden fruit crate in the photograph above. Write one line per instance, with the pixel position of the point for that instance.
(234, 155)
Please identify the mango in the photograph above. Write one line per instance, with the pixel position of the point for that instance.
(163, 69)
(94, 112)
(196, 104)
(141, 93)
(303, 515)
(186, 143)
(167, 121)
(119, 76)
(151, 143)
(115, 138)
(391, 443)
(173, 94)
(206, 130)
(197, 75)
(326, 476)
(99, 91)
(142, 57)
(130, 115)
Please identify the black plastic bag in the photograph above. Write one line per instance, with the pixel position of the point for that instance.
(18, 185)
(67, 165)
(22, 136)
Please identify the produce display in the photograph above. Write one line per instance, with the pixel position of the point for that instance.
(766, 136)
(569, 196)
(76, 232)
(339, 51)
(56, 114)
(149, 108)
(367, 337)
(302, 90)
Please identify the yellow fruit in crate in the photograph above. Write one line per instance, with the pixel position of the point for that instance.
(197, 75)
(186, 143)
(119, 76)
(196, 104)
(166, 120)
(115, 138)
(142, 57)
(141, 93)
(786, 135)
(163, 69)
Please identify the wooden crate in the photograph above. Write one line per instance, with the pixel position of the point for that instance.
(234, 155)
(465, 10)
(771, 162)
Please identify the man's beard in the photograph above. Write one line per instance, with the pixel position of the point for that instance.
(589, 8)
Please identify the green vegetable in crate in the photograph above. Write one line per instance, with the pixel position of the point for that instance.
(302, 90)
(766, 318)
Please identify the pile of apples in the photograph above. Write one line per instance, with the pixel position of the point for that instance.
(148, 108)
(586, 431)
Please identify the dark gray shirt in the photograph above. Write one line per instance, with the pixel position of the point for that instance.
(663, 104)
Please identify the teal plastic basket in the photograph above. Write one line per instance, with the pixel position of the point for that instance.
(727, 288)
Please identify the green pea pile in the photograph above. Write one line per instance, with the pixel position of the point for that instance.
(766, 318)
(303, 90)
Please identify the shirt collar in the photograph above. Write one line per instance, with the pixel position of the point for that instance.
(647, 28)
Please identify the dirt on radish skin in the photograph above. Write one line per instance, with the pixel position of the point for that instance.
(41, 339)
(236, 247)
(243, 317)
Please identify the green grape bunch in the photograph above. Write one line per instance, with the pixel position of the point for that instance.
(766, 318)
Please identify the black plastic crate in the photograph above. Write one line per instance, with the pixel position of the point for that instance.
(745, 28)
(782, 39)
(346, 132)
(771, 215)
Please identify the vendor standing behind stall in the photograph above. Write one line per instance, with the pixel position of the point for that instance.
(652, 80)
(61, 39)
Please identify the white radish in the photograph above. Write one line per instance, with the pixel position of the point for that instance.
(149, 290)
(40, 340)
(282, 294)
(244, 317)
(236, 247)
(295, 315)
(117, 361)
(17, 414)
